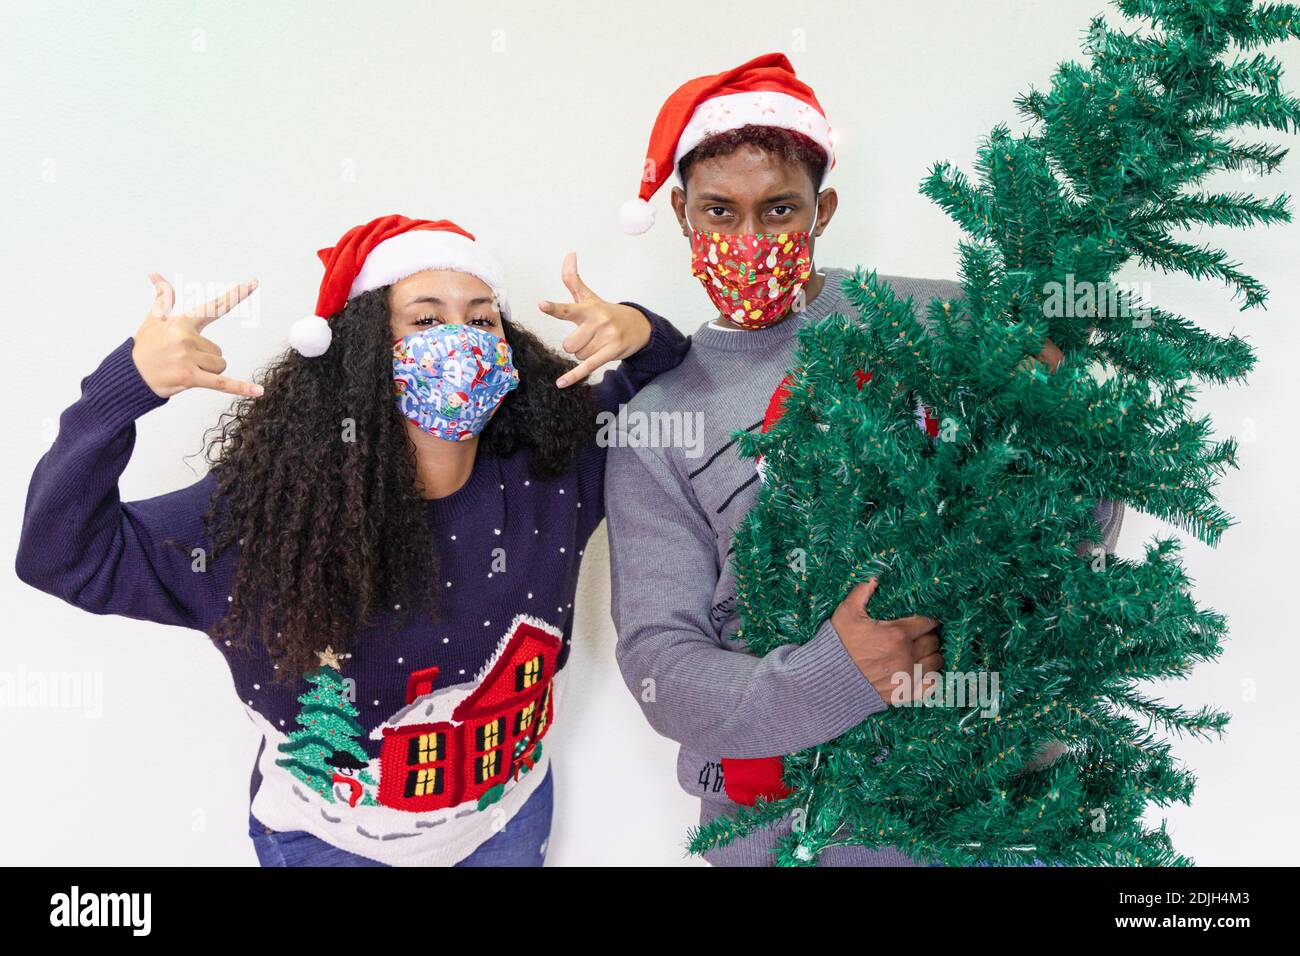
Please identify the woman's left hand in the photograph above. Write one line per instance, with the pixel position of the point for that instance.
(604, 331)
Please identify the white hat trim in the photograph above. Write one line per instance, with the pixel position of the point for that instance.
(763, 108)
(415, 251)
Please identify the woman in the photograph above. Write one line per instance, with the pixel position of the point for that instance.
(385, 549)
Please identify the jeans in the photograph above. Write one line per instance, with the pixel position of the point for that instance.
(1030, 863)
(521, 842)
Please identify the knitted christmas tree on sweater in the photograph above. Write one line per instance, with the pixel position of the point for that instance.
(988, 525)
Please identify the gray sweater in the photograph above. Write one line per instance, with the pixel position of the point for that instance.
(672, 510)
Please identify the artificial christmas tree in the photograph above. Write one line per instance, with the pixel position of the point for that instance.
(986, 522)
(325, 752)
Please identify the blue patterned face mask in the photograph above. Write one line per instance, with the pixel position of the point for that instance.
(449, 378)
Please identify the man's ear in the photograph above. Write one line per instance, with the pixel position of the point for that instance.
(828, 200)
(679, 209)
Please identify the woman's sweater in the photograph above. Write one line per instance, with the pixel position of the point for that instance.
(420, 744)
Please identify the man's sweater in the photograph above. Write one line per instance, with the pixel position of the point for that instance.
(422, 743)
(672, 513)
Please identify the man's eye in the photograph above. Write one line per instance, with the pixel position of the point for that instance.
(781, 212)
(717, 212)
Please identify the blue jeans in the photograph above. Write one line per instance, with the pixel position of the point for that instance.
(521, 842)
(1030, 863)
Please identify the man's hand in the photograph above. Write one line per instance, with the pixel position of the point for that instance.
(605, 331)
(884, 649)
(172, 356)
(1050, 356)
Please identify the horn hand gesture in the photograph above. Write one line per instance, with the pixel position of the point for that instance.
(171, 352)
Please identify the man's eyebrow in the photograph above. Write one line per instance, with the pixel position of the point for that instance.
(783, 197)
(714, 197)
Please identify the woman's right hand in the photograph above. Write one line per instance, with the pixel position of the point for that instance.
(171, 354)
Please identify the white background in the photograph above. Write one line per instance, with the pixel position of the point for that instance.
(213, 142)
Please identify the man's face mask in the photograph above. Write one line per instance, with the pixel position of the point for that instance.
(448, 379)
(752, 278)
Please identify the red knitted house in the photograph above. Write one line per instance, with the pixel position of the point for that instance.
(450, 746)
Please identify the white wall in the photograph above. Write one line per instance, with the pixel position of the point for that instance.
(212, 142)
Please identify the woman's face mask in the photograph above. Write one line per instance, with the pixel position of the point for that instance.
(449, 379)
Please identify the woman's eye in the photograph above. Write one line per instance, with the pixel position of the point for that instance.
(484, 321)
(425, 320)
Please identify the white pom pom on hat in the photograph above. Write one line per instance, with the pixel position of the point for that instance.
(636, 216)
(387, 250)
(761, 92)
(310, 336)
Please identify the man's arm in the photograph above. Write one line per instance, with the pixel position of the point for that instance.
(1109, 514)
(690, 688)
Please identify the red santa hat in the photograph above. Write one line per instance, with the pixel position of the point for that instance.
(384, 251)
(762, 92)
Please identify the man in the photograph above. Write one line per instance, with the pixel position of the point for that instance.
(751, 147)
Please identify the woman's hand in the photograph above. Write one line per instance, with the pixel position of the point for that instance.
(172, 356)
(605, 331)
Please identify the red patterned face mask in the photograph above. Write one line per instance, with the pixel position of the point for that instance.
(751, 278)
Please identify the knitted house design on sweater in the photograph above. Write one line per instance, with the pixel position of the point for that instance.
(452, 745)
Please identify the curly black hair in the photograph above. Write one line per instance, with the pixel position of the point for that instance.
(316, 486)
(787, 144)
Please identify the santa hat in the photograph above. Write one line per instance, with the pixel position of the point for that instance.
(762, 92)
(384, 251)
